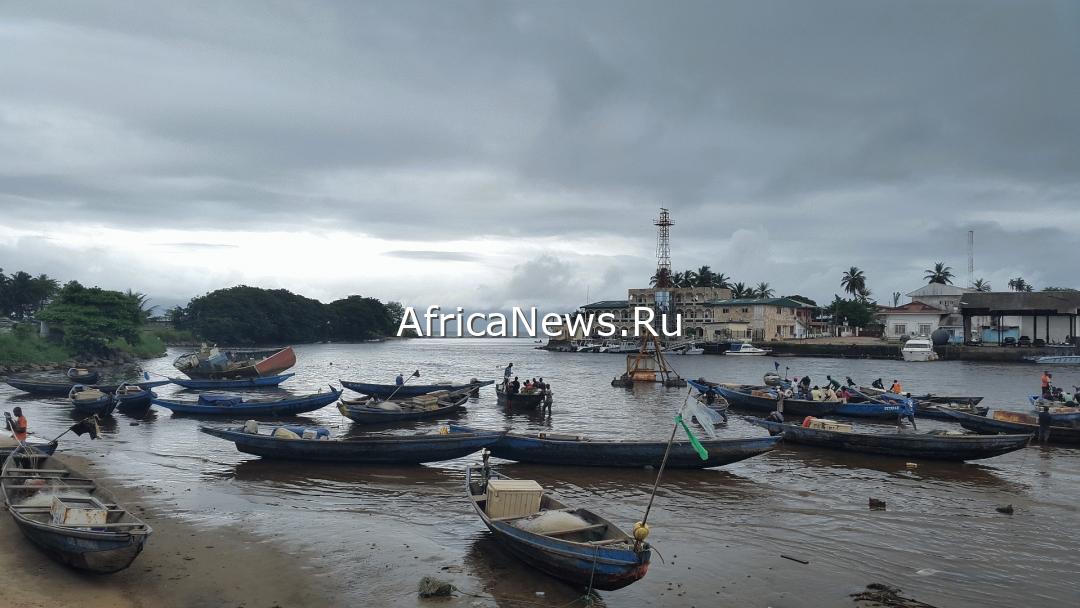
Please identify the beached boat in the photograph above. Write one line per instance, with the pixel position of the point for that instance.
(367, 410)
(1014, 422)
(919, 350)
(214, 404)
(763, 399)
(575, 545)
(521, 401)
(78, 375)
(915, 446)
(366, 449)
(746, 349)
(60, 389)
(383, 391)
(68, 516)
(210, 362)
(88, 400)
(928, 397)
(575, 450)
(132, 398)
(226, 384)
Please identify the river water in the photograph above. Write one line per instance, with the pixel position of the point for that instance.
(719, 533)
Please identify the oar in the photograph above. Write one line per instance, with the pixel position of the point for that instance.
(415, 374)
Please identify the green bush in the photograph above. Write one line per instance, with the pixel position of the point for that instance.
(21, 349)
(168, 335)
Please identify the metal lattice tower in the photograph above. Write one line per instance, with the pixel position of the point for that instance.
(971, 258)
(663, 243)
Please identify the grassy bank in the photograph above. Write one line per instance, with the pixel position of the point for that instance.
(21, 350)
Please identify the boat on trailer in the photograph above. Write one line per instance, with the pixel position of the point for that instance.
(572, 544)
(68, 516)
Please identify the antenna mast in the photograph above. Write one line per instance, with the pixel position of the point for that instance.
(971, 258)
(663, 245)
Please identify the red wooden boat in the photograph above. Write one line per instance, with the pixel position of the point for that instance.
(217, 364)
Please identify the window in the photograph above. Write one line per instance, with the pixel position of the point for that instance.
(899, 329)
(924, 329)
(725, 311)
(779, 310)
(746, 310)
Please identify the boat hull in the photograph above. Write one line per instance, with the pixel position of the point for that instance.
(135, 403)
(792, 407)
(627, 454)
(281, 407)
(96, 553)
(242, 383)
(273, 363)
(374, 415)
(410, 449)
(101, 407)
(520, 401)
(383, 391)
(63, 388)
(904, 445)
(990, 426)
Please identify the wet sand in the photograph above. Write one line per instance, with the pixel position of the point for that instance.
(183, 565)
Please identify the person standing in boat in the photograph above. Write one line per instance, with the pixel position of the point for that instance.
(1045, 382)
(515, 386)
(400, 380)
(833, 383)
(896, 388)
(19, 430)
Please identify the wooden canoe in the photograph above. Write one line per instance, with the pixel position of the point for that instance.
(131, 398)
(1017, 422)
(598, 554)
(914, 446)
(367, 410)
(384, 391)
(572, 450)
(232, 384)
(366, 449)
(927, 398)
(102, 406)
(218, 364)
(521, 401)
(30, 477)
(742, 397)
(59, 389)
(234, 405)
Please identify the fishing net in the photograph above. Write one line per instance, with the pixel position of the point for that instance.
(706, 418)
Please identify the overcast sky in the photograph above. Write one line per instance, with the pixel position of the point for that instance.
(492, 154)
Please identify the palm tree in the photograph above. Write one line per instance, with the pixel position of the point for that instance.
(763, 291)
(940, 274)
(661, 279)
(141, 300)
(853, 280)
(864, 295)
(739, 290)
(1019, 284)
(980, 285)
(722, 280)
(705, 277)
(689, 279)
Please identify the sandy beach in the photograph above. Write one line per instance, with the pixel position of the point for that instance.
(183, 565)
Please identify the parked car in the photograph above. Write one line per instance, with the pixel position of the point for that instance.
(1024, 341)
(1038, 342)
(1009, 341)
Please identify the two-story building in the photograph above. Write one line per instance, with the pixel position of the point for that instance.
(932, 307)
(755, 319)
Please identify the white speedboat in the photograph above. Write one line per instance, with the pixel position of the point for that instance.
(919, 349)
(746, 349)
(686, 349)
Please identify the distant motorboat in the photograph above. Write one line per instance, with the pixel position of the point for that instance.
(919, 349)
(591, 347)
(746, 349)
(686, 349)
(1057, 359)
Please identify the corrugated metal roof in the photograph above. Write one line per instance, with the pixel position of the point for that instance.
(607, 304)
(1062, 302)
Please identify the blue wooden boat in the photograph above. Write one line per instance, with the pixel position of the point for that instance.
(227, 384)
(30, 478)
(575, 450)
(212, 404)
(131, 398)
(59, 389)
(1060, 414)
(383, 391)
(88, 400)
(78, 375)
(915, 446)
(369, 411)
(742, 396)
(596, 554)
(8, 443)
(365, 449)
(1014, 422)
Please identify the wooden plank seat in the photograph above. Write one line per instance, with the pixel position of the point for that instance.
(588, 528)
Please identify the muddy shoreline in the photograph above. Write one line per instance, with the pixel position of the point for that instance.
(184, 565)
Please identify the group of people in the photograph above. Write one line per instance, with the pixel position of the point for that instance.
(1049, 392)
(512, 387)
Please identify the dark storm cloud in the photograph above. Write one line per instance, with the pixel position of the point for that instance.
(816, 135)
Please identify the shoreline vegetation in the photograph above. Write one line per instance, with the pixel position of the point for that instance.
(47, 327)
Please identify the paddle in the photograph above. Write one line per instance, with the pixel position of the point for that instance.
(415, 374)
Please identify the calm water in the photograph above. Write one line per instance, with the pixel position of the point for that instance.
(720, 532)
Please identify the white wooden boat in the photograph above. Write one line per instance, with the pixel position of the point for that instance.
(919, 349)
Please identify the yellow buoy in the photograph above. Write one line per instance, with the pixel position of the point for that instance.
(641, 531)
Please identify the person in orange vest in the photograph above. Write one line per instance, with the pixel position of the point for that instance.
(896, 388)
(1045, 381)
(20, 424)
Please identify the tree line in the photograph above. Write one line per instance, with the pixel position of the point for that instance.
(22, 294)
(245, 315)
(705, 277)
